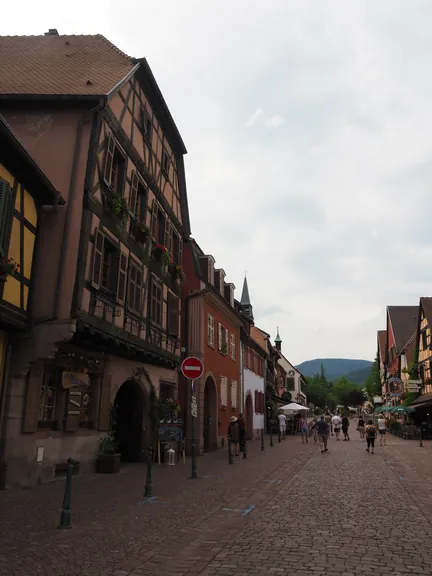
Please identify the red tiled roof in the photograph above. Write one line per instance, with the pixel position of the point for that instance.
(61, 65)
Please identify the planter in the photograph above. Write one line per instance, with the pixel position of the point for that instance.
(7, 268)
(108, 463)
(117, 205)
(161, 255)
(176, 273)
(141, 233)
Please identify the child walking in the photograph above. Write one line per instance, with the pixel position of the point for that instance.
(371, 434)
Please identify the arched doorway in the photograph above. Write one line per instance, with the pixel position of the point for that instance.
(210, 415)
(128, 422)
(249, 417)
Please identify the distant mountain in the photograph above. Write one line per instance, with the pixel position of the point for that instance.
(354, 370)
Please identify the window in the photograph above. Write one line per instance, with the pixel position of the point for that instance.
(234, 394)
(109, 267)
(138, 197)
(146, 126)
(424, 340)
(224, 391)
(115, 166)
(156, 302)
(232, 346)
(222, 339)
(165, 162)
(48, 396)
(172, 315)
(290, 383)
(210, 331)
(134, 289)
(177, 248)
(158, 223)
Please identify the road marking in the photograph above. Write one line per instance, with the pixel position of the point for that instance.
(151, 500)
(273, 481)
(246, 512)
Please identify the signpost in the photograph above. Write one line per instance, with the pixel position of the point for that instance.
(192, 368)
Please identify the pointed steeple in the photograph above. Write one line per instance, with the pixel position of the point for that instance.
(278, 341)
(245, 300)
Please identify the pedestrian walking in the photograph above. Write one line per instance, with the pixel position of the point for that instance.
(345, 426)
(242, 429)
(370, 436)
(282, 424)
(313, 430)
(304, 429)
(336, 423)
(323, 433)
(382, 430)
(361, 427)
(234, 434)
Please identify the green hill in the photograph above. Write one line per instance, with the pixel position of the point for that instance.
(355, 371)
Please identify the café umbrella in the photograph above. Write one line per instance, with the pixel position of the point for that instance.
(293, 407)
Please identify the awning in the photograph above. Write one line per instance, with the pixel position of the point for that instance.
(423, 400)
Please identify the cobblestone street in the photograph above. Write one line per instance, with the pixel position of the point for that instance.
(289, 510)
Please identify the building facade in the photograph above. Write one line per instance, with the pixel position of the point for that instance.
(107, 300)
(211, 330)
(293, 380)
(25, 192)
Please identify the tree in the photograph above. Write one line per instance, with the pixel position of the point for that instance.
(356, 398)
(373, 381)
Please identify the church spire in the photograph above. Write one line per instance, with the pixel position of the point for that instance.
(278, 340)
(245, 300)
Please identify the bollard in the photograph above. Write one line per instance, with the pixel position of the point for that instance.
(271, 435)
(262, 440)
(65, 516)
(194, 474)
(421, 438)
(148, 484)
(245, 448)
(230, 456)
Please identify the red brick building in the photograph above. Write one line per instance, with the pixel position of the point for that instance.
(211, 332)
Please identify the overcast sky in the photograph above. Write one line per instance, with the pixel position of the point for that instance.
(309, 131)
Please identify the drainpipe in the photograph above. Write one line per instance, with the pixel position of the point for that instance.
(3, 401)
(69, 221)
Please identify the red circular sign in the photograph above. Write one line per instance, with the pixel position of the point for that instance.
(192, 368)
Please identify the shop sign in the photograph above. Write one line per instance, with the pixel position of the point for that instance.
(74, 380)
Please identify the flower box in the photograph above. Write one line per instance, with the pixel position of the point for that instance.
(141, 232)
(116, 204)
(7, 268)
(160, 254)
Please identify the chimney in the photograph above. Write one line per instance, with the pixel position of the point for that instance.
(52, 32)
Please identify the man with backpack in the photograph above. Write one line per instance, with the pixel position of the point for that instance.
(371, 434)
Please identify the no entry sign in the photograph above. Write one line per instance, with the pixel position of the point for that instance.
(192, 368)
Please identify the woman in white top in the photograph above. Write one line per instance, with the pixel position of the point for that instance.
(382, 430)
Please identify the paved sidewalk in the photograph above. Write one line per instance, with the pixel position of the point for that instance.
(289, 510)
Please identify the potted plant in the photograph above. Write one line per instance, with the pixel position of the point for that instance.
(160, 254)
(7, 267)
(108, 460)
(176, 272)
(141, 232)
(117, 204)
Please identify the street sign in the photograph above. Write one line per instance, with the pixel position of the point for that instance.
(416, 382)
(194, 407)
(192, 368)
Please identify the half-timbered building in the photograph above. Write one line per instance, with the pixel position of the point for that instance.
(107, 294)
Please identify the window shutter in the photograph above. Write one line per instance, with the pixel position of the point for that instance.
(31, 412)
(133, 193)
(154, 220)
(168, 236)
(73, 410)
(109, 157)
(122, 275)
(131, 287)
(105, 403)
(219, 336)
(173, 315)
(180, 252)
(138, 291)
(5, 215)
(97, 259)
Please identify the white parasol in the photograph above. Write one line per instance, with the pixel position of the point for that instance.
(293, 407)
